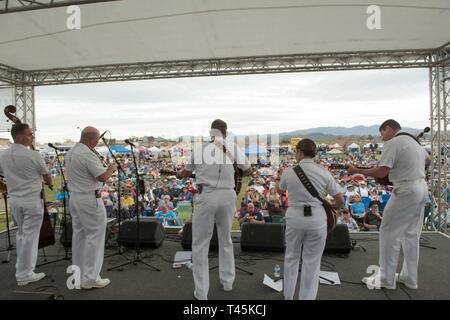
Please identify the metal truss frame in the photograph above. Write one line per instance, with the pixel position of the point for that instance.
(440, 120)
(24, 101)
(436, 60)
(10, 6)
(11, 75)
(234, 66)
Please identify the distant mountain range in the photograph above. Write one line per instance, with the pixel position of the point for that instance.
(313, 133)
(324, 132)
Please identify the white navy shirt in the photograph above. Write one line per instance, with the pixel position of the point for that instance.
(83, 167)
(212, 169)
(320, 177)
(405, 157)
(23, 169)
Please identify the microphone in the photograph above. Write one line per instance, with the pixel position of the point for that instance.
(102, 135)
(51, 145)
(129, 142)
(427, 129)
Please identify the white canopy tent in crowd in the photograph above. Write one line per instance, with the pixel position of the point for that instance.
(334, 152)
(375, 146)
(153, 39)
(353, 147)
(155, 150)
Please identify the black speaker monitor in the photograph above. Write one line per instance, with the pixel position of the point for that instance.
(263, 237)
(186, 241)
(151, 233)
(338, 241)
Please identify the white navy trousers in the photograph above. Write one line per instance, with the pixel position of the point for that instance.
(88, 238)
(401, 228)
(212, 206)
(28, 213)
(305, 243)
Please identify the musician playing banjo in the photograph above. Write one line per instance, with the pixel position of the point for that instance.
(24, 170)
(215, 202)
(403, 158)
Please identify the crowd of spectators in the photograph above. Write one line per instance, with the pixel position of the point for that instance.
(163, 193)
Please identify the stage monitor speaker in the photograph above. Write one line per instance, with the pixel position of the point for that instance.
(338, 241)
(151, 233)
(62, 239)
(263, 237)
(186, 241)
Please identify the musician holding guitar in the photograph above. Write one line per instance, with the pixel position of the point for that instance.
(306, 220)
(215, 202)
(24, 170)
(403, 158)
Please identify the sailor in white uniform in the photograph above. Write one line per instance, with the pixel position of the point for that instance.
(215, 202)
(306, 229)
(403, 158)
(85, 173)
(23, 170)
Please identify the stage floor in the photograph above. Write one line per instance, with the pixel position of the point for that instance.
(140, 282)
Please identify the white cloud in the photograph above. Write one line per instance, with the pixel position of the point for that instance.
(250, 104)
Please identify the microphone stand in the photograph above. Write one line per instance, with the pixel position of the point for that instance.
(10, 246)
(119, 196)
(65, 192)
(137, 258)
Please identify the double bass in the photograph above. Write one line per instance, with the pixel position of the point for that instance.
(47, 232)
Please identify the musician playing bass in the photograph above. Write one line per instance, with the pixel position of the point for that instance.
(403, 158)
(24, 169)
(215, 202)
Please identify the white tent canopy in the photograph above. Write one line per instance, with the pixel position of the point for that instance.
(155, 150)
(102, 150)
(335, 151)
(133, 31)
(353, 146)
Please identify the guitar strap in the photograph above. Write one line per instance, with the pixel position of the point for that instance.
(228, 154)
(409, 135)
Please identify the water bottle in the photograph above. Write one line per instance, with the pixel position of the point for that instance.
(277, 271)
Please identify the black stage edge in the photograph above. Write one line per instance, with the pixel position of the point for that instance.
(177, 284)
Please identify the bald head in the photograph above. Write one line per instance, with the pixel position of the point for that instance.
(89, 136)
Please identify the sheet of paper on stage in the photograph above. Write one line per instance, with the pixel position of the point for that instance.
(276, 285)
(333, 276)
(181, 257)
